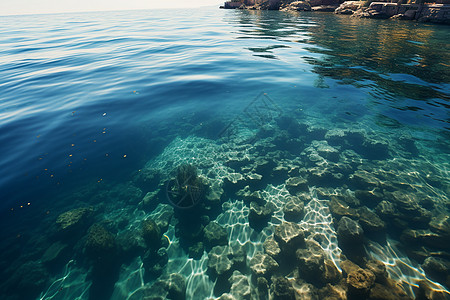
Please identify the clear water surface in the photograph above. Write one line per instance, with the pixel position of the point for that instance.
(97, 111)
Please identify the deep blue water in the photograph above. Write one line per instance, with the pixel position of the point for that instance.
(86, 100)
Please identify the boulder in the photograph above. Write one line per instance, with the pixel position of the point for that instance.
(196, 250)
(240, 286)
(259, 215)
(271, 247)
(162, 216)
(100, 243)
(370, 221)
(293, 209)
(220, 260)
(74, 220)
(263, 265)
(298, 6)
(151, 233)
(297, 184)
(55, 254)
(305, 291)
(349, 232)
(154, 262)
(281, 289)
(289, 236)
(150, 201)
(339, 208)
(438, 269)
(311, 261)
(359, 283)
(130, 243)
(171, 286)
(215, 235)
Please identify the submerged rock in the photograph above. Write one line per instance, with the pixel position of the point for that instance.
(349, 232)
(154, 262)
(220, 260)
(55, 254)
(281, 289)
(240, 286)
(370, 221)
(263, 265)
(297, 184)
(289, 236)
(150, 200)
(196, 250)
(215, 235)
(28, 280)
(293, 209)
(151, 233)
(130, 243)
(311, 261)
(172, 286)
(438, 269)
(259, 215)
(162, 216)
(75, 219)
(271, 247)
(100, 243)
(359, 283)
(305, 291)
(339, 208)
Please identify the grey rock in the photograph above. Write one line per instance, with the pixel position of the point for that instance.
(259, 215)
(171, 286)
(359, 282)
(289, 236)
(154, 262)
(311, 261)
(100, 243)
(196, 250)
(220, 260)
(215, 235)
(54, 253)
(305, 291)
(150, 200)
(75, 219)
(281, 289)
(370, 221)
(263, 265)
(151, 233)
(437, 268)
(293, 209)
(339, 208)
(240, 286)
(297, 184)
(271, 247)
(349, 232)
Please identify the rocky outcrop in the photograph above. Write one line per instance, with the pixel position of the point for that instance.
(435, 13)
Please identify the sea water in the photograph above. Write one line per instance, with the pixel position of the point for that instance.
(337, 116)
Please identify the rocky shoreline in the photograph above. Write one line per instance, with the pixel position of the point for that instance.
(429, 12)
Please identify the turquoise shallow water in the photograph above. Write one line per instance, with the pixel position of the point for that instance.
(336, 116)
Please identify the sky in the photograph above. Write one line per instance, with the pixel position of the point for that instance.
(19, 7)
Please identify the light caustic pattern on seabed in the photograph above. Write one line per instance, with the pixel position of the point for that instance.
(319, 223)
(72, 285)
(401, 269)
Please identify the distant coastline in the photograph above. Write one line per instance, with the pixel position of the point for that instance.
(419, 10)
